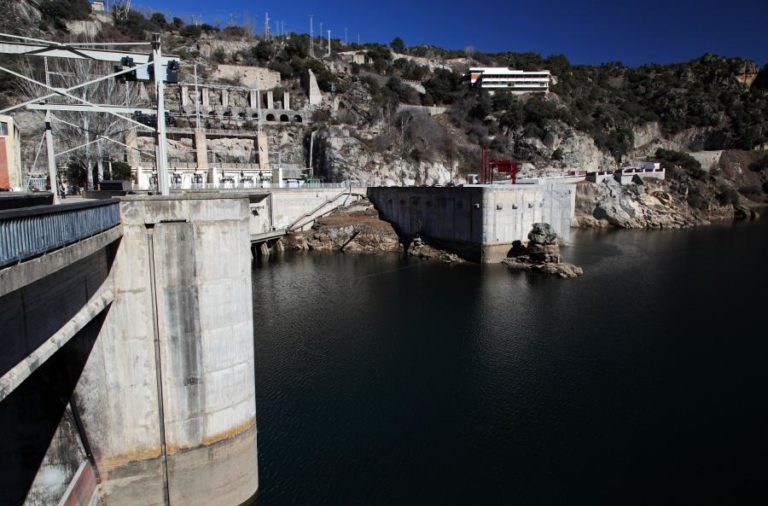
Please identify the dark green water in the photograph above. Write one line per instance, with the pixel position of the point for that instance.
(388, 381)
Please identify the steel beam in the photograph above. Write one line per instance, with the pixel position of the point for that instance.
(115, 109)
(72, 88)
(56, 50)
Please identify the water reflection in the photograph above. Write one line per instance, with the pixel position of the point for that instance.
(383, 380)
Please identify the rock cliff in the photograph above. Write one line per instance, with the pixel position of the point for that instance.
(649, 205)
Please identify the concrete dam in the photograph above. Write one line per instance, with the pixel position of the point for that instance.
(127, 326)
(131, 363)
(479, 222)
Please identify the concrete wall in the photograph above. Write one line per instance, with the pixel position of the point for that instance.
(253, 77)
(11, 171)
(64, 457)
(261, 214)
(478, 222)
(41, 452)
(167, 396)
(309, 82)
(707, 159)
(32, 313)
(290, 204)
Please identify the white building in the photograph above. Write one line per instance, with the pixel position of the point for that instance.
(503, 78)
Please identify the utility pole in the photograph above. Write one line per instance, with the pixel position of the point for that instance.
(51, 157)
(312, 35)
(266, 26)
(329, 43)
(161, 147)
(49, 143)
(198, 125)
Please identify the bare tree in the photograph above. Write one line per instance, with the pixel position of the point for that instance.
(72, 129)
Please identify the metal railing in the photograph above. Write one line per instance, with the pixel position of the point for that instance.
(32, 231)
(266, 185)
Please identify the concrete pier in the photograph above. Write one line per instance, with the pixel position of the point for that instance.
(167, 396)
(478, 222)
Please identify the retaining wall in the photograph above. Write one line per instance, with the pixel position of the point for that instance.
(477, 222)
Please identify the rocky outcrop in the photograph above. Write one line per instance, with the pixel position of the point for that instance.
(576, 149)
(542, 254)
(341, 155)
(743, 212)
(648, 205)
(418, 248)
(354, 229)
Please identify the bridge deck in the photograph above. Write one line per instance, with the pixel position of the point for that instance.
(268, 236)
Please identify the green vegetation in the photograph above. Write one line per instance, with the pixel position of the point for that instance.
(397, 45)
(55, 13)
(121, 171)
(759, 165)
(675, 161)
(607, 101)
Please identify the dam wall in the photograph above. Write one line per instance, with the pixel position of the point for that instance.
(291, 204)
(167, 397)
(479, 222)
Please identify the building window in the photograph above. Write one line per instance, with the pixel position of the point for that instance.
(3, 128)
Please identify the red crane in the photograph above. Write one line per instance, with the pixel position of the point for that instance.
(501, 166)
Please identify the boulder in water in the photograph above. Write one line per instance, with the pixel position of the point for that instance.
(542, 254)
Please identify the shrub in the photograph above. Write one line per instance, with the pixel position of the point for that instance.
(760, 164)
(56, 12)
(727, 195)
(263, 51)
(235, 32)
(121, 171)
(219, 56)
(158, 19)
(397, 45)
(753, 192)
(696, 200)
(672, 160)
(135, 25)
(191, 31)
(444, 86)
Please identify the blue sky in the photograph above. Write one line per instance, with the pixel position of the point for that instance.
(634, 32)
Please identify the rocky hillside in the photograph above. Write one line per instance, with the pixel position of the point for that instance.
(402, 115)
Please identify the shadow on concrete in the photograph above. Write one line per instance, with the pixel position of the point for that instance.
(30, 415)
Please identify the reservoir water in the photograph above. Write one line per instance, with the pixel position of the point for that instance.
(383, 380)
